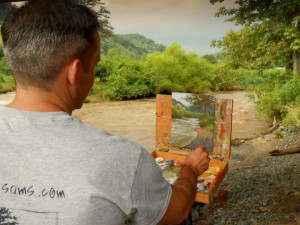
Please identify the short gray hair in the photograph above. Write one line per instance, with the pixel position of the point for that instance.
(42, 36)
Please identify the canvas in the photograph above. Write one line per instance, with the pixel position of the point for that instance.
(192, 120)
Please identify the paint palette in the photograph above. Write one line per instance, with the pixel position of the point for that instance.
(170, 170)
(170, 153)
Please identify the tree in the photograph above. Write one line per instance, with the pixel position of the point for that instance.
(121, 77)
(102, 13)
(253, 47)
(210, 58)
(134, 44)
(175, 71)
(283, 19)
(178, 111)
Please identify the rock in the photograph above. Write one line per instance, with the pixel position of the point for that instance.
(263, 209)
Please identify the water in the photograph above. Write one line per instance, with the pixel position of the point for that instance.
(246, 121)
(6, 98)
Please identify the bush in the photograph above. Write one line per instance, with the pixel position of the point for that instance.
(4, 68)
(7, 83)
(277, 102)
(244, 79)
(293, 116)
(178, 111)
(278, 134)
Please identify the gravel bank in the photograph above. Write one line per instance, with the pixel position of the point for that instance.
(259, 189)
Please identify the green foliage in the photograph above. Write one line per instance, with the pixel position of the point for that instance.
(293, 116)
(271, 34)
(125, 76)
(134, 45)
(178, 111)
(4, 68)
(127, 86)
(7, 83)
(207, 122)
(278, 135)
(277, 102)
(121, 78)
(122, 75)
(249, 12)
(227, 78)
(293, 34)
(103, 15)
(259, 46)
(210, 58)
(145, 44)
(174, 70)
(123, 53)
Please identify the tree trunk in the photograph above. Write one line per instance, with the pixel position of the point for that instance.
(297, 62)
(296, 53)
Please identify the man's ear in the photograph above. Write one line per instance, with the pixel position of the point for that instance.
(74, 72)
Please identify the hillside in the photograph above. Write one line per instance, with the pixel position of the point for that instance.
(132, 44)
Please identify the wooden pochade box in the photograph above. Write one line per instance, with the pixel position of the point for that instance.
(220, 154)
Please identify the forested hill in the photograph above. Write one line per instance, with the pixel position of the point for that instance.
(134, 45)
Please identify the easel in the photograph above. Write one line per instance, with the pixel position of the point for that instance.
(221, 144)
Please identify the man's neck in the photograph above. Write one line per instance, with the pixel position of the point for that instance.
(36, 100)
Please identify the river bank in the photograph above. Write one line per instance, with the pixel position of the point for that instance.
(259, 189)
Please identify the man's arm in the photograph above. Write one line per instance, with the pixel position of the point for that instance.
(185, 188)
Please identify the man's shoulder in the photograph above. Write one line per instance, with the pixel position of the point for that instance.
(113, 144)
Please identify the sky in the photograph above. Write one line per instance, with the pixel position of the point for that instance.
(191, 23)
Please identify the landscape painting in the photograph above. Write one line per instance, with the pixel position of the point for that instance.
(192, 120)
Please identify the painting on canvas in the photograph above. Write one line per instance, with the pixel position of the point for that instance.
(192, 120)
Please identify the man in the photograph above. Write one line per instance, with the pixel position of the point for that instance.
(53, 168)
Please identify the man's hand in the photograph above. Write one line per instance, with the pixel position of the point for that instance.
(185, 188)
(198, 160)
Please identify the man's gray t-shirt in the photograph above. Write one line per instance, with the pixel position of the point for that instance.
(56, 170)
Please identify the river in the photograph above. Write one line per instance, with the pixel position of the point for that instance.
(135, 120)
(6, 98)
